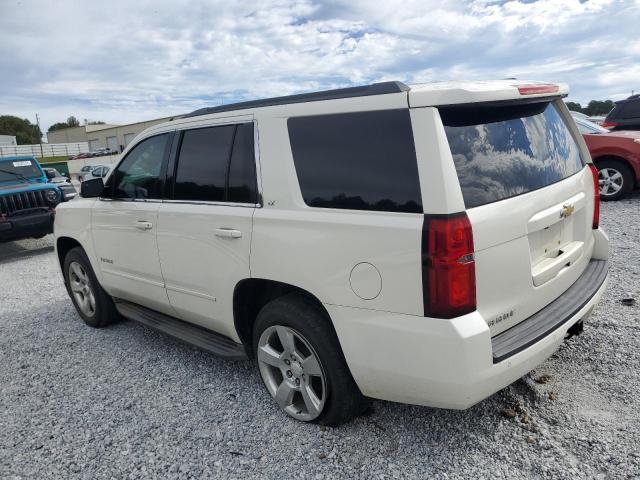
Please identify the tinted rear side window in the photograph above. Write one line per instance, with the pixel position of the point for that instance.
(202, 164)
(242, 170)
(359, 161)
(217, 164)
(630, 109)
(501, 152)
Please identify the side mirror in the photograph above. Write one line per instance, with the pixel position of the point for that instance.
(50, 174)
(92, 188)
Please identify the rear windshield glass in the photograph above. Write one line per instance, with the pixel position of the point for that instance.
(503, 151)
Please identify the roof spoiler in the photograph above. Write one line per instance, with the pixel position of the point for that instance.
(494, 91)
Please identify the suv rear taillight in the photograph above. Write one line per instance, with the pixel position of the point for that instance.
(448, 266)
(607, 124)
(596, 196)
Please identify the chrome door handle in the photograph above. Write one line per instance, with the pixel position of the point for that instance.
(142, 225)
(228, 233)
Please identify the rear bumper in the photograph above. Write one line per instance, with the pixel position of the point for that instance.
(447, 363)
(553, 316)
(27, 225)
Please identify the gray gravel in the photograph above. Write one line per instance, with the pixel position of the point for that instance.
(127, 402)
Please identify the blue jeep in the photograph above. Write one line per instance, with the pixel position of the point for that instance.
(27, 200)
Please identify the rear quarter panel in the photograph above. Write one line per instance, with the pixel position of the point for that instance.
(316, 248)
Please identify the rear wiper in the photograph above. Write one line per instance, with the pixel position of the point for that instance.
(19, 175)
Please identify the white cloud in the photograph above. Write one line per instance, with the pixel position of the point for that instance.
(123, 61)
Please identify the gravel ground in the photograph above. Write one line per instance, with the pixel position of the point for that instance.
(127, 402)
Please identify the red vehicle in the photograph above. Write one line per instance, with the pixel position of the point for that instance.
(617, 156)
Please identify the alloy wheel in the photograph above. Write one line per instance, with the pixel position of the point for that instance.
(292, 372)
(81, 289)
(610, 181)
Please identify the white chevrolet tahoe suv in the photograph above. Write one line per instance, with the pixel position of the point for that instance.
(426, 245)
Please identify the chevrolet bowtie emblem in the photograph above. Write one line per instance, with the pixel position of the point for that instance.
(567, 210)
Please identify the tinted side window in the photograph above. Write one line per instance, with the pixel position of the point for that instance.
(202, 164)
(631, 109)
(138, 176)
(360, 161)
(617, 112)
(625, 109)
(242, 170)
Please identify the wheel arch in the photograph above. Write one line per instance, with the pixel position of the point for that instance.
(611, 156)
(633, 165)
(63, 246)
(251, 294)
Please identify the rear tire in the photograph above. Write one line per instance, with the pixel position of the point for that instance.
(92, 303)
(301, 362)
(616, 179)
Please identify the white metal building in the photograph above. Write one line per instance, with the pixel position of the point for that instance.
(115, 137)
(8, 140)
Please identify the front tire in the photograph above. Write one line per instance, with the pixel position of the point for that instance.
(301, 362)
(616, 179)
(92, 303)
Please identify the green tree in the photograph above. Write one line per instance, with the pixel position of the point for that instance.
(72, 122)
(599, 107)
(25, 132)
(58, 126)
(594, 107)
(574, 107)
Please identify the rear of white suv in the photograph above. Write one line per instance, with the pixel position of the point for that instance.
(427, 245)
(511, 262)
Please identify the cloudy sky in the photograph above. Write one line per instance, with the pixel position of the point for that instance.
(124, 61)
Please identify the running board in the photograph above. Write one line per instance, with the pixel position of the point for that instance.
(195, 335)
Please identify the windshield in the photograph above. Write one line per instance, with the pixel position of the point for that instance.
(19, 169)
(503, 151)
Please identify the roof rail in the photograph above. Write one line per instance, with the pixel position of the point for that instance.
(350, 92)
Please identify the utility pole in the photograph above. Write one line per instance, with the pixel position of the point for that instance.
(40, 137)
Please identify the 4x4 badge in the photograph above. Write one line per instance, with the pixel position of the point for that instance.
(567, 210)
